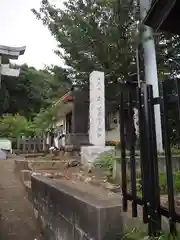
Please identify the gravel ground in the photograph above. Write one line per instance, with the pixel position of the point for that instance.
(17, 217)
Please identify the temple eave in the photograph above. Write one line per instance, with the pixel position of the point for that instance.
(164, 16)
(12, 52)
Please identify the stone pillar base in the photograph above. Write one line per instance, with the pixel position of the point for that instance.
(91, 154)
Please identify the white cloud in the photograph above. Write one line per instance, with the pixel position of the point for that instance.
(19, 27)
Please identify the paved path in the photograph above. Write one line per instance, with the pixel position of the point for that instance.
(17, 219)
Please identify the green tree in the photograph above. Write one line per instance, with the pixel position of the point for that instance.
(15, 126)
(26, 94)
(46, 118)
(32, 90)
(60, 83)
(93, 37)
(101, 35)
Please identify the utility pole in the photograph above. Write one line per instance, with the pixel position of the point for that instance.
(151, 68)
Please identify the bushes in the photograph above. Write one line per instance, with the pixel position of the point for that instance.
(46, 118)
(113, 143)
(13, 126)
(105, 162)
(141, 233)
(163, 182)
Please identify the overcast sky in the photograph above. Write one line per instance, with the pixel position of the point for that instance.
(19, 27)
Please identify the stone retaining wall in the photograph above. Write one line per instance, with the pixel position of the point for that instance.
(66, 212)
(20, 164)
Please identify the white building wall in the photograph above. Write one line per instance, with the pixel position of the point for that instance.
(114, 134)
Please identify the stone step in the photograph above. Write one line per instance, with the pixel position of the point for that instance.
(42, 165)
(35, 165)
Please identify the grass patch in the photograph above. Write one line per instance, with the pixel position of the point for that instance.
(134, 234)
(162, 183)
(139, 234)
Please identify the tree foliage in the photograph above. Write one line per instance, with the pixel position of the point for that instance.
(32, 90)
(101, 35)
(24, 95)
(13, 126)
(94, 35)
(91, 35)
(46, 118)
(60, 83)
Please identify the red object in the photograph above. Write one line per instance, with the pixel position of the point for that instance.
(67, 97)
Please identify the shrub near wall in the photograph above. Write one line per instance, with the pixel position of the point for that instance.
(163, 182)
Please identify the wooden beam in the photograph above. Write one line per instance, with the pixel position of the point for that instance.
(7, 71)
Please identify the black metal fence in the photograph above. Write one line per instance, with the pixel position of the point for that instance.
(148, 196)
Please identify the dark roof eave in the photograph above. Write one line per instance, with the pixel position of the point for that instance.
(162, 16)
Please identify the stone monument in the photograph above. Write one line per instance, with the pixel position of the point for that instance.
(97, 109)
(97, 134)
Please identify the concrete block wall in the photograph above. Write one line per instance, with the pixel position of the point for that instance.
(65, 212)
